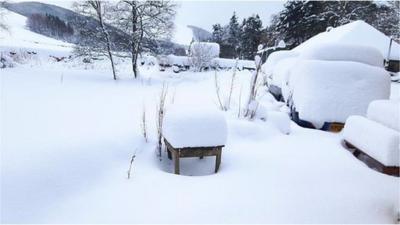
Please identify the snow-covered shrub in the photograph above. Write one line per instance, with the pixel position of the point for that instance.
(344, 52)
(385, 112)
(149, 60)
(375, 139)
(194, 127)
(6, 61)
(331, 91)
(202, 54)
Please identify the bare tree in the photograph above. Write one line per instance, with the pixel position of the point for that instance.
(144, 21)
(98, 38)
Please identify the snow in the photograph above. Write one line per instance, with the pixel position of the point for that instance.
(194, 127)
(210, 49)
(331, 91)
(344, 52)
(68, 133)
(19, 38)
(230, 63)
(354, 33)
(282, 73)
(375, 139)
(385, 112)
(274, 58)
(178, 60)
(280, 120)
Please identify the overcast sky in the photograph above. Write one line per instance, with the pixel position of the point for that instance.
(206, 13)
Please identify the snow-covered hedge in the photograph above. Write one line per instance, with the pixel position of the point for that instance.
(331, 91)
(205, 48)
(344, 52)
(375, 139)
(194, 127)
(385, 112)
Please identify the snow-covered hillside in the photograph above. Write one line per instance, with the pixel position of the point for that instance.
(19, 37)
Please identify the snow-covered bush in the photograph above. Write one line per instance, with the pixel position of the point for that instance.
(385, 112)
(344, 52)
(194, 127)
(331, 91)
(6, 61)
(375, 139)
(202, 54)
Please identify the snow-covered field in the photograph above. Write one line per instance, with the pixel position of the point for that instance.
(68, 132)
(68, 135)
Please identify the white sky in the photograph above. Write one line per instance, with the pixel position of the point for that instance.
(205, 13)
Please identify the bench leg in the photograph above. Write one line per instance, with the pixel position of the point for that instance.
(218, 160)
(169, 154)
(176, 160)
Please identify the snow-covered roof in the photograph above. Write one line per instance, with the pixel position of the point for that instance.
(357, 32)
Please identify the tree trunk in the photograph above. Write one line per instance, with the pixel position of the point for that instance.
(108, 41)
(134, 41)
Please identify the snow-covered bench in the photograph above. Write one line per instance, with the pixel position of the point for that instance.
(194, 133)
(377, 136)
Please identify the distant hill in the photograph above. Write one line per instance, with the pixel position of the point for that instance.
(29, 8)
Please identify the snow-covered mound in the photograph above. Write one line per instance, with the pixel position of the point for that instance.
(274, 58)
(194, 127)
(19, 37)
(344, 52)
(282, 73)
(375, 139)
(385, 112)
(355, 33)
(175, 60)
(331, 91)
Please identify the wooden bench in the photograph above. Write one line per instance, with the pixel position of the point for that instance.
(200, 152)
(371, 162)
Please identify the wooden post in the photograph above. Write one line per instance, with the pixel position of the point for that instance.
(176, 160)
(218, 159)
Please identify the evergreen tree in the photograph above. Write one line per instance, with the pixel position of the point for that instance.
(217, 33)
(251, 36)
(234, 33)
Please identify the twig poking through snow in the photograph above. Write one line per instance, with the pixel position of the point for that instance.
(240, 101)
(144, 125)
(131, 163)
(228, 104)
(160, 116)
(221, 106)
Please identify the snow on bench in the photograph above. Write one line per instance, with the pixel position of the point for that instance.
(194, 127)
(331, 91)
(385, 112)
(376, 140)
